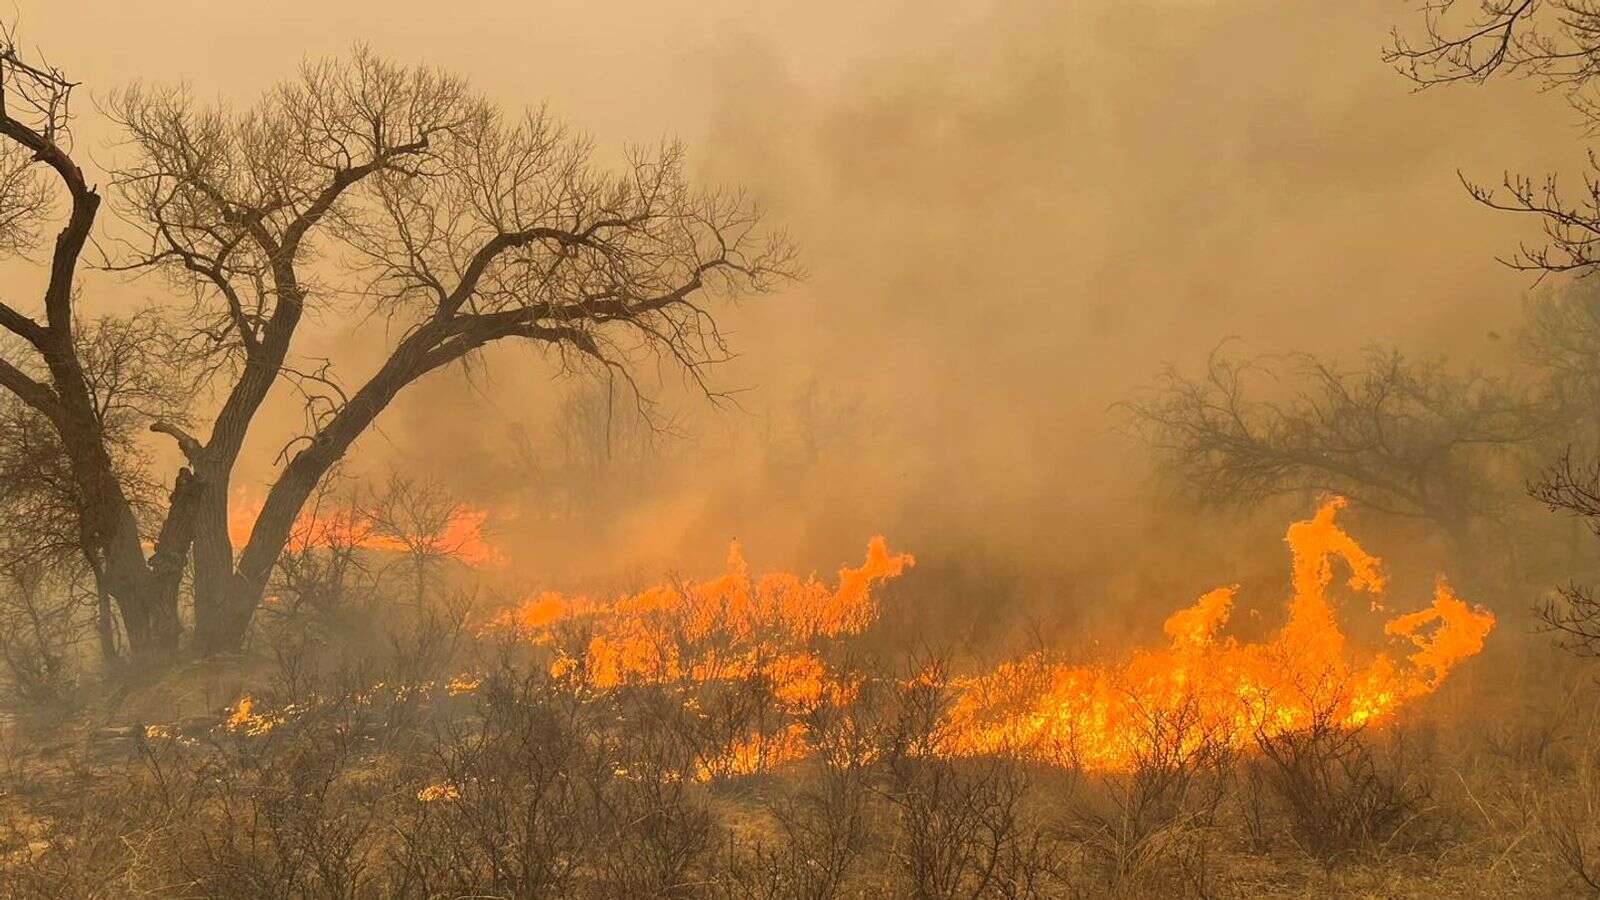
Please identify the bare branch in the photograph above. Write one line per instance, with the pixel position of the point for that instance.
(1397, 436)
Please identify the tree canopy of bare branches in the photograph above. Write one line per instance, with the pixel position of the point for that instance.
(1573, 615)
(1556, 45)
(360, 182)
(1396, 435)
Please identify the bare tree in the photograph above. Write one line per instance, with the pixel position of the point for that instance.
(1556, 45)
(46, 370)
(392, 188)
(39, 625)
(1559, 341)
(415, 515)
(603, 451)
(323, 564)
(1398, 436)
(1573, 614)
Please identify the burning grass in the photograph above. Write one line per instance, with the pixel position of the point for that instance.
(778, 628)
(732, 738)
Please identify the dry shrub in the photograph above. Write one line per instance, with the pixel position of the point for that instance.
(711, 716)
(1341, 797)
(91, 840)
(824, 825)
(294, 826)
(655, 837)
(962, 829)
(822, 830)
(1571, 832)
(41, 624)
(556, 794)
(286, 814)
(1149, 827)
(1567, 814)
(507, 813)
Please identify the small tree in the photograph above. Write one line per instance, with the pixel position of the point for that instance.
(40, 624)
(1573, 615)
(323, 564)
(415, 517)
(1556, 45)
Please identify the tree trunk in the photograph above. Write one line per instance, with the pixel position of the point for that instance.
(230, 602)
(213, 565)
(148, 606)
(150, 617)
(105, 620)
(235, 604)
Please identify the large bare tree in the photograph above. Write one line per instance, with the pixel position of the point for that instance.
(359, 187)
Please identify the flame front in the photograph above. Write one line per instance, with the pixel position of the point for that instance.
(1203, 688)
(728, 627)
(1214, 688)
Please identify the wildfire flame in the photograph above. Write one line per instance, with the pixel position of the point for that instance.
(1216, 688)
(1211, 686)
(1202, 689)
(728, 627)
(462, 536)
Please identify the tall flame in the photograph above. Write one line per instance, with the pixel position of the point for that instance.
(1210, 686)
(1216, 688)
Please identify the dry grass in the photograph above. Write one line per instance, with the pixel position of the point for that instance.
(528, 789)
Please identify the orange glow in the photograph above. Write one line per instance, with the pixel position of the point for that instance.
(1214, 688)
(729, 627)
(462, 537)
(1206, 685)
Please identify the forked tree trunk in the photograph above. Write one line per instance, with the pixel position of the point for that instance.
(226, 600)
(231, 602)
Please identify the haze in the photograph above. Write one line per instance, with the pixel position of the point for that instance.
(1010, 214)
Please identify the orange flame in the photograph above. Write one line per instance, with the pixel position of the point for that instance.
(1215, 688)
(462, 536)
(727, 627)
(1208, 688)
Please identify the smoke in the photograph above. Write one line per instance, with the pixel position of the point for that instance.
(1011, 215)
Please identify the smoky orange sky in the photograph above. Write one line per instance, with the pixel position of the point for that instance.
(1010, 213)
